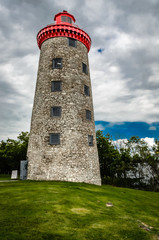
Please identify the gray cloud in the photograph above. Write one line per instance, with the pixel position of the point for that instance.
(124, 76)
(137, 67)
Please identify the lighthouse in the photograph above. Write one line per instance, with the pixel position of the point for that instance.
(62, 144)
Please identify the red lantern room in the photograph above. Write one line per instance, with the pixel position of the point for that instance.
(64, 17)
(64, 27)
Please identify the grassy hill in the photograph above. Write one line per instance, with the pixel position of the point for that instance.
(73, 211)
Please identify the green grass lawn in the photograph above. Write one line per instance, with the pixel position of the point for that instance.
(74, 211)
(6, 177)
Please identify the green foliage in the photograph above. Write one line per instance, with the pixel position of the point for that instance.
(153, 161)
(134, 165)
(108, 155)
(12, 152)
(76, 211)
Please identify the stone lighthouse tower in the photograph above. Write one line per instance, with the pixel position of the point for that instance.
(62, 144)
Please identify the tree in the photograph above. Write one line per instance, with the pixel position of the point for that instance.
(108, 155)
(153, 162)
(12, 152)
(141, 154)
(132, 165)
(124, 163)
(23, 144)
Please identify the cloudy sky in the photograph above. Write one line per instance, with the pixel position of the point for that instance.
(124, 62)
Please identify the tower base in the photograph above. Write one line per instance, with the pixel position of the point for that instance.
(63, 173)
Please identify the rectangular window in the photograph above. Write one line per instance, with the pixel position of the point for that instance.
(55, 111)
(66, 19)
(54, 138)
(72, 42)
(90, 140)
(56, 86)
(84, 68)
(57, 63)
(86, 90)
(88, 115)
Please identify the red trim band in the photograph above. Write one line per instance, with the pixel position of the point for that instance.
(63, 30)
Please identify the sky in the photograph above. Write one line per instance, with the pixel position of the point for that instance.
(124, 62)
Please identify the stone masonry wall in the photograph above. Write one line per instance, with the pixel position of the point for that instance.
(73, 159)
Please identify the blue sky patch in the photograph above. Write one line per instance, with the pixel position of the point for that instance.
(121, 130)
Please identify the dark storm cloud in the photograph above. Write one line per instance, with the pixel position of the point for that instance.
(145, 12)
(7, 89)
(136, 68)
(126, 99)
(138, 7)
(10, 103)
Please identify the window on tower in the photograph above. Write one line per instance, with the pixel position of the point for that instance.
(57, 63)
(84, 68)
(86, 90)
(72, 42)
(88, 115)
(56, 86)
(55, 111)
(54, 138)
(90, 140)
(66, 19)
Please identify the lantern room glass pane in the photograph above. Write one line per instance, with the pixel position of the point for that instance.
(66, 19)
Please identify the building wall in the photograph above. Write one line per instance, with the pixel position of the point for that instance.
(72, 160)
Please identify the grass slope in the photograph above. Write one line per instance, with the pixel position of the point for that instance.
(74, 211)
